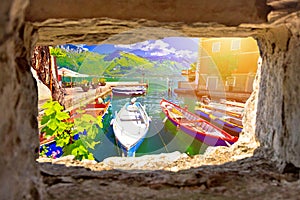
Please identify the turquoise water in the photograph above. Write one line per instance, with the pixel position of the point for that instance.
(161, 137)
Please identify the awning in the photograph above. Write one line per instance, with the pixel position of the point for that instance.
(69, 73)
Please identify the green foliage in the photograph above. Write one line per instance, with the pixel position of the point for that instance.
(95, 81)
(76, 138)
(193, 66)
(87, 127)
(57, 52)
(102, 80)
(54, 120)
(84, 82)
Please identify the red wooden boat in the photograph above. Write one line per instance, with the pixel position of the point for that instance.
(44, 140)
(95, 109)
(196, 126)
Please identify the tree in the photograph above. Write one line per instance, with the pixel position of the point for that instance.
(193, 66)
(41, 62)
(57, 52)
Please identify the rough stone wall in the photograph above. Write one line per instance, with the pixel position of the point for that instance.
(274, 119)
(278, 110)
(19, 175)
(236, 12)
(247, 137)
(69, 21)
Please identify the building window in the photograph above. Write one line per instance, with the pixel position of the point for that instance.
(212, 83)
(235, 44)
(216, 46)
(230, 81)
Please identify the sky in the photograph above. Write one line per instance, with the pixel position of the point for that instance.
(181, 49)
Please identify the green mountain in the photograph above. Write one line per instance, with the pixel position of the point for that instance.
(84, 62)
(118, 65)
(126, 64)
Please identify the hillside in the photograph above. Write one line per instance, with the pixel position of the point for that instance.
(126, 63)
(116, 64)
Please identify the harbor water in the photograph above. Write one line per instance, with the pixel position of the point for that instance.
(162, 137)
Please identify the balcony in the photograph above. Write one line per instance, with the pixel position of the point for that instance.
(191, 74)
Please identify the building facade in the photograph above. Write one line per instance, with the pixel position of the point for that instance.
(227, 64)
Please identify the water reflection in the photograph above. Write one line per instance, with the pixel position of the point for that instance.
(162, 137)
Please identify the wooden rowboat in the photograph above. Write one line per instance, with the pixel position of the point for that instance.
(130, 127)
(95, 109)
(196, 126)
(231, 125)
(230, 110)
(129, 90)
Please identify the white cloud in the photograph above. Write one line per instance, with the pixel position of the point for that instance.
(161, 48)
(123, 46)
(157, 44)
(172, 50)
(146, 45)
(159, 53)
(187, 54)
(139, 45)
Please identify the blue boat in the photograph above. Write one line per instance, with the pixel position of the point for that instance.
(230, 124)
(130, 127)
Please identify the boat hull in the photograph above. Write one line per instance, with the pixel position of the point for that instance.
(130, 127)
(228, 127)
(232, 111)
(129, 91)
(130, 152)
(210, 141)
(197, 127)
(94, 109)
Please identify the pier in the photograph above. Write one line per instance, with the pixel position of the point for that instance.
(114, 84)
(82, 98)
(76, 97)
(236, 96)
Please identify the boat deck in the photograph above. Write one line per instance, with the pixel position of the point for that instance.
(192, 122)
(131, 126)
